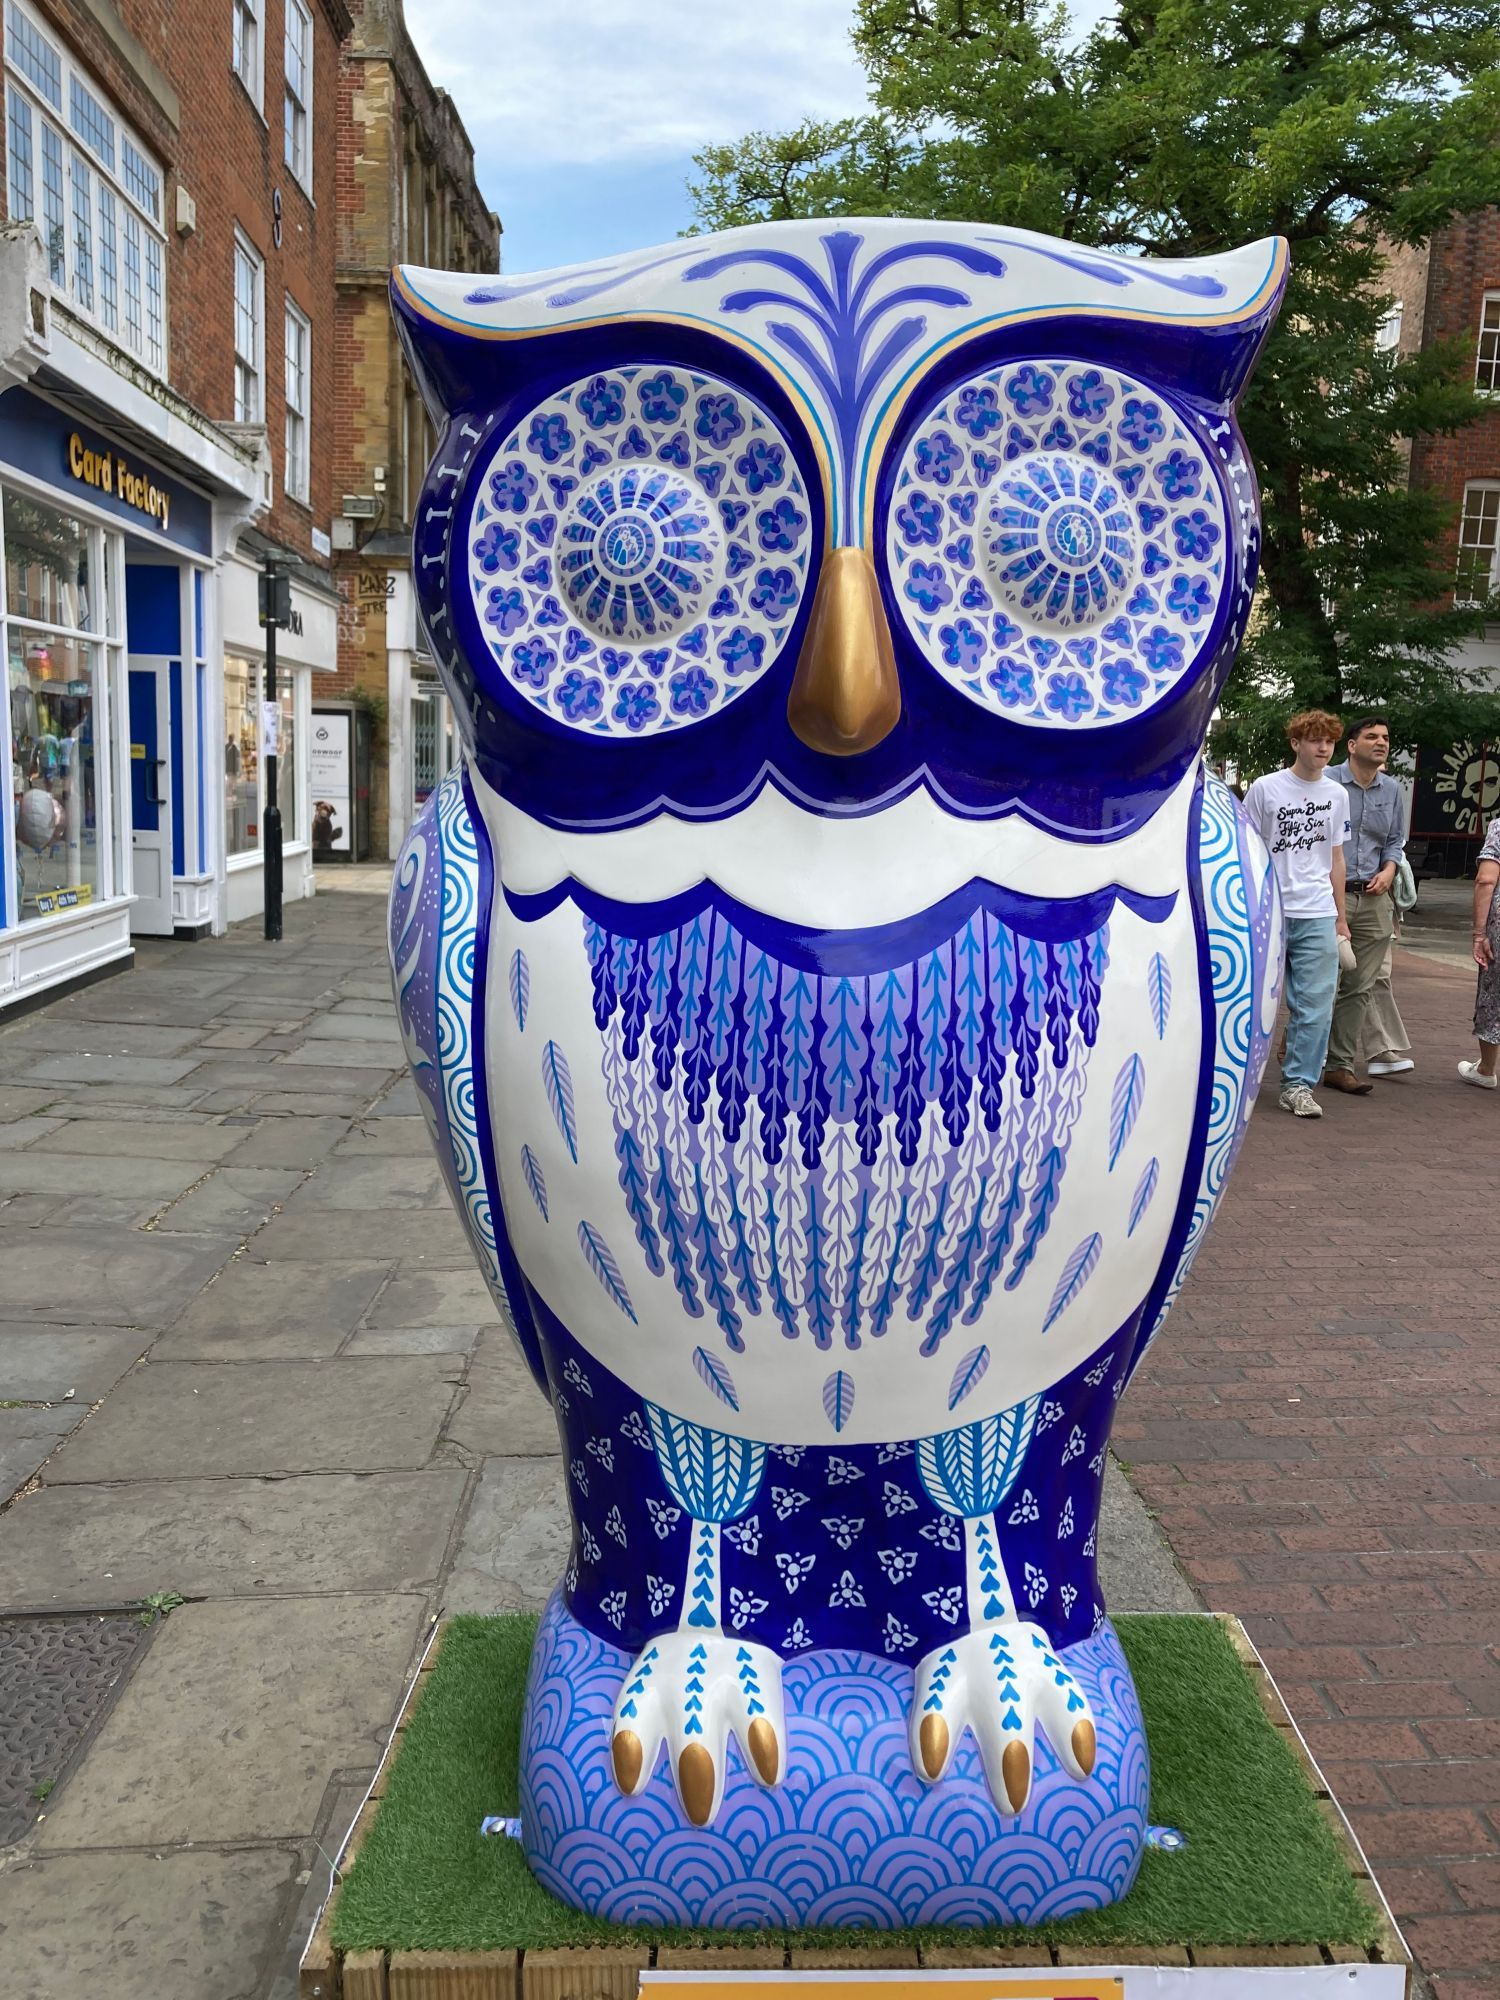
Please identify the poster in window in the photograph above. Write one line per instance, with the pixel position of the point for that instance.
(332, 782)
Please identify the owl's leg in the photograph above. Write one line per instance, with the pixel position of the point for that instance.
(1001, 1678)
(694, 1687)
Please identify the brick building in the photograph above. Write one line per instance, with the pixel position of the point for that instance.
(406, 194)
(1449, 290)
(167, 328)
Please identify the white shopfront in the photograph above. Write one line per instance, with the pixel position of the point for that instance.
(305, 650)
(422, 732)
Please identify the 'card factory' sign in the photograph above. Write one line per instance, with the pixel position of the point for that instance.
(110, 472)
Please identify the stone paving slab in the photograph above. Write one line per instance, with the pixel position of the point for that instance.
(232, 1197)
(413, 1340)
(78, 1276)
(23, 1101)
(28, 1436)
(345, 1182)
(312, 1684)
(253, 1538)
(391, 1137)
(264, 1312)
(516, 1538)
(145, 1038)
(40, 1364)
(88, 1173)
(289, 1142)
(144, 1926)
(194, 1419)
(169, 1139)
(24, 1132)
(424, 1236)
(434, 1298)
(84, 1067)
(504, 1413)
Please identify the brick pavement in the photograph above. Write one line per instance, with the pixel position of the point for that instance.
(1318, 1432)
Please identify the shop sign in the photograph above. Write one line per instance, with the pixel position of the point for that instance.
(53, 900)
(50, 444)
(332, 781)
(112, 472)
(1457, 790)
(877, 1985)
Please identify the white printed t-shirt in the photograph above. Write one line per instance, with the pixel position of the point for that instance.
(1302, 825)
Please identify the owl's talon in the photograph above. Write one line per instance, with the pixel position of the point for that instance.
(691, 1690)
(1001, 1682)
(934, 1743)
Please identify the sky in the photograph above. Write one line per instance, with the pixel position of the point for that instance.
(585, 114)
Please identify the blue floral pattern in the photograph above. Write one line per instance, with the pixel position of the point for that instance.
(1068, 514)
(647, 531)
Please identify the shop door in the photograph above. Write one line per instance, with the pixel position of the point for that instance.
(150, 801)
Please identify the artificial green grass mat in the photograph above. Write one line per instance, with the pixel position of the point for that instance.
(1261, 1865)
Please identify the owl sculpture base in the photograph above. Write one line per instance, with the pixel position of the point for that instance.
(836, 994)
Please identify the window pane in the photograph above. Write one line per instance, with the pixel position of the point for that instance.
(286, 764)
(34, 57)
(109, 266)
(46, 563)
(18, 150)
(155, 337)
(132, 281)
(142, 181)
(52, 204)
(242, 682)
(83, 232)
(91, 121)
(51, 686)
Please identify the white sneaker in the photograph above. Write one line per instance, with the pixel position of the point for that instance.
(1391, 1066)
(1471, 1073)
(1299, 1100)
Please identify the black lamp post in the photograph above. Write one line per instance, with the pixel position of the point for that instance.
(275, 611)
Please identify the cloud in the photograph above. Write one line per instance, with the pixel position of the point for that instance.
(594, 82)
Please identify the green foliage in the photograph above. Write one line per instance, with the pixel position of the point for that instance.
(1182, 127)
(160, 1604)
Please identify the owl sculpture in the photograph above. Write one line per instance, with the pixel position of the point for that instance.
(837, 992)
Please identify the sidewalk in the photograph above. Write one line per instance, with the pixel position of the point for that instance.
(250, 1354)
(1318, 1432)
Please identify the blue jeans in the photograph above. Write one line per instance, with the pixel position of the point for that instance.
(1312, 979)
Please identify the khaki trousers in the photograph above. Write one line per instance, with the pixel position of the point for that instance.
(1385, 1031)
(1371, 926)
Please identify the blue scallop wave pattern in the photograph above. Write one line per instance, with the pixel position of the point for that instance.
(1242, 913)
(852, 1837)
(433, 931)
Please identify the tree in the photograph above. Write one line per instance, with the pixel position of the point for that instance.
(1181, 127)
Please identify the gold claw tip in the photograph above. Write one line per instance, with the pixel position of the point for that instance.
(695, 1781)
(765, 1753)
(1015, 1769)
(933, 1738)
(626, 1754)
(1084, 1745)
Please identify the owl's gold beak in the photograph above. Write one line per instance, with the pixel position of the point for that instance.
(846, 696)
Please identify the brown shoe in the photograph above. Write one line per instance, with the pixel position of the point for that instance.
(1346, 1081)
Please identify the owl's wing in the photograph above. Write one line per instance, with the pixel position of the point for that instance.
(439, 923)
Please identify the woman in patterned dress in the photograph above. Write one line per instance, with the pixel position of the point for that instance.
(1487, 958)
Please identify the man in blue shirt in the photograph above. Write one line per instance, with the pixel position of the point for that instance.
(1377, 838)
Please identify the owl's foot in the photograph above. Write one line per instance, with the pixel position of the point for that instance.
(691, 1690)
(1001, 1681)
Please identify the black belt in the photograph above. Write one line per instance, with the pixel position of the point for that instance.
(1359, 888)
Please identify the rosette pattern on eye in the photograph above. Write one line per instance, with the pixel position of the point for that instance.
(638, 550)
(1057, 539)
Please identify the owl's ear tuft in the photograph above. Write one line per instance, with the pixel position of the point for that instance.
(445, 355)
(1217, 360)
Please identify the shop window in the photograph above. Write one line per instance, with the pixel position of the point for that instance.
(54, 681)
(244, 769)
(298, 364)
(1478, 543)
(1487, 367)
(244, 52)
(93, 193)
(249, 346)
(298, 98)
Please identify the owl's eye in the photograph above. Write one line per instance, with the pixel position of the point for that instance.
(639, 548)
(1059, 542)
